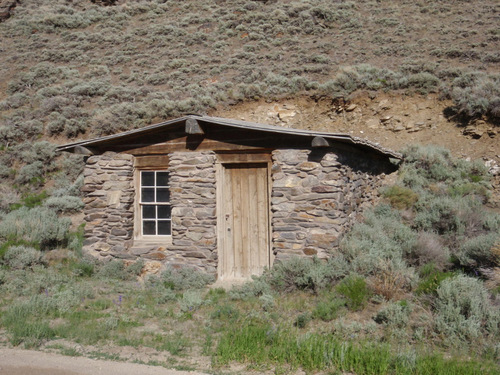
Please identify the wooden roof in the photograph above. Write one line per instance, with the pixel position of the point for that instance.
(311, 136)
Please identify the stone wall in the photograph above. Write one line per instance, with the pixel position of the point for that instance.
(194, 221)
(315, 199)
(109, 205)
(109, 211)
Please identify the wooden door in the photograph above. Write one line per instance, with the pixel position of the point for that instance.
(244, 226)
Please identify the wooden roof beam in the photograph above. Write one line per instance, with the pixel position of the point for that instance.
(86, 151)
(193, 127)
(319, 142)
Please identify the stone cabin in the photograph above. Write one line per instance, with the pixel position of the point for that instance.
(225, 196)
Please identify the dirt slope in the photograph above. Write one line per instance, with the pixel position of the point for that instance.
(393, 120)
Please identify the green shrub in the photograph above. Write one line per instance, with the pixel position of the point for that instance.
(191, 301)
(21, 257)
(5, 172)
(355, 290)
(9, 196)
(38, 226)
(42, 151)
(267, 302)
(395, 314)
(135, 269)
(67, 188)
(90, 88)
(43, 279)
(441, 214)
(83, 268)
(431, 278)
(3, 276)
(477, 251)
(379, 243)
(185, 278)
(75, 240)
(226, 312)
(477, 94)
(299, 273)
(116, 269)
(423, 82)
(255, 288)
(30, 200)
(329, 308)
(464, 310)
(425, 166)
(164, 295)
(400, 197)
(31, 174)
(302, 320)
(450, 208)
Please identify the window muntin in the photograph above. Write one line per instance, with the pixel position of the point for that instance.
(156, 218)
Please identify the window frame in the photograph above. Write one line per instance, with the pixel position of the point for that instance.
(140, 203)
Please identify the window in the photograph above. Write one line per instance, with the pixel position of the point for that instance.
(154, 203)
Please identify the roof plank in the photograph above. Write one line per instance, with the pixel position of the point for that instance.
(101, 142)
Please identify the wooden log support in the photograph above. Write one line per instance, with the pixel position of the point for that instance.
(193, 127)
(80, 150)
(319, 142)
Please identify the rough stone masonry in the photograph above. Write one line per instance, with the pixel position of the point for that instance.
(315, 199)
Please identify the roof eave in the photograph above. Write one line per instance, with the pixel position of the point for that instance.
(344, 138)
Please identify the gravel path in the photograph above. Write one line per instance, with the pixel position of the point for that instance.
(29, 362)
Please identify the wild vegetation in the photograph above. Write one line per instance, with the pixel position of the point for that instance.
(411, 290)
(73, 69)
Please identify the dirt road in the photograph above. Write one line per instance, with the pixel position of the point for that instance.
(29, 362)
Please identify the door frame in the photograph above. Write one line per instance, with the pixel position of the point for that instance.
(231, 159)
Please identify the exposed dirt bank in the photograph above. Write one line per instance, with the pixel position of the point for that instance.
(393, 120)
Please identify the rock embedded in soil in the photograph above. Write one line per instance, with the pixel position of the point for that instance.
(6, 7)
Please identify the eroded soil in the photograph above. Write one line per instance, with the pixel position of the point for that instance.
(393, 120)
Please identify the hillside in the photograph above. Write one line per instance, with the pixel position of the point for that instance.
(394, 72)
(413, 289)
(78, 69)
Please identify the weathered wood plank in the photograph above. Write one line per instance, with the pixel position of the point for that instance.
(193, 127)
(244, 158)
(236, 222)
(254, 219)
(245, 247)
(262, 225)
(184, 145)
(228, 229)
(151, 161)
